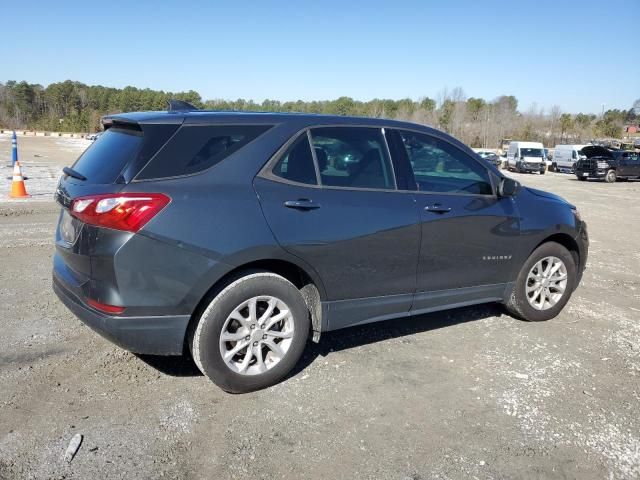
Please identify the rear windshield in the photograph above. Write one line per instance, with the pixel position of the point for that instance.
(195, 148)
(103, 161)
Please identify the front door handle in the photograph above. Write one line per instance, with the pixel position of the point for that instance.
(437, 208)
(301, 204)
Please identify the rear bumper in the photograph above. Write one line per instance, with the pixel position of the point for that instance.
(156, 335)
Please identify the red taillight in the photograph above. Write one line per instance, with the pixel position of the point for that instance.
(103, 307)
(121, 211)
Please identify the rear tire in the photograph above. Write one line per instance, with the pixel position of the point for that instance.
(241, 311)
(611, 176)
(523, 302)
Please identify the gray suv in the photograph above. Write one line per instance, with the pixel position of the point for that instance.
(236, 237)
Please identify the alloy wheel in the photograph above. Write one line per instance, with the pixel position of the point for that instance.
(256, 335)
(546, 283)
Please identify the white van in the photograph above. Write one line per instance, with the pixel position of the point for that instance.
(566, 156)
(526, 157)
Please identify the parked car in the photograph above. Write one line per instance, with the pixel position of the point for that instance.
(491, 158)
(608, 164)
(230, 237)
(566, 156)
(526, 157)
(93, 136)
(504, 160)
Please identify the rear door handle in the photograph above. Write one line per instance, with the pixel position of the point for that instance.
(437, 208)
(301, 204)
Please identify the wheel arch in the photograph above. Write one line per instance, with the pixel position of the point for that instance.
(567, 241)
(309, 285)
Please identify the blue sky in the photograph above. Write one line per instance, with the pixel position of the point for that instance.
(575, 54)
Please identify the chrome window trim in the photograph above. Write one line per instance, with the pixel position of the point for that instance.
(267, 171)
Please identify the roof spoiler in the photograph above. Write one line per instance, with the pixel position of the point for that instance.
(180, 106)
(109, 122)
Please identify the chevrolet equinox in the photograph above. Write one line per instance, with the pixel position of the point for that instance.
(236, 237)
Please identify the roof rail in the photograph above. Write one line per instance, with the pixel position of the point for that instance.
(179, 105)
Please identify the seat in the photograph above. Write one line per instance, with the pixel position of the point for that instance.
(368, 172)
(322, 158)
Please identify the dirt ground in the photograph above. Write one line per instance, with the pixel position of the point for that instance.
(471, 393)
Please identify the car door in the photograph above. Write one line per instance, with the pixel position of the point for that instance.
(629, 164)
(337, 207)
(469, 234)
(634, 164)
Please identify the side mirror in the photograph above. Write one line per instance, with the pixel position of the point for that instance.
(507, 187)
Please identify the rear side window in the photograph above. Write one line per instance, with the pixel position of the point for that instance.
(354, 157)
(196, 148)
(297, 164)
(103, 161)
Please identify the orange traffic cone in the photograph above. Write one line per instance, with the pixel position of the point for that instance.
(17, 186)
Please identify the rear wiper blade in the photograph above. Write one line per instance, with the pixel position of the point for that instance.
(72, 173)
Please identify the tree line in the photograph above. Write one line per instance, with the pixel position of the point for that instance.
(75, 107)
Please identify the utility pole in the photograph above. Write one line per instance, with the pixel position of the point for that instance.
(486, 126)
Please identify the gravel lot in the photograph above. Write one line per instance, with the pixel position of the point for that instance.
(471, 393)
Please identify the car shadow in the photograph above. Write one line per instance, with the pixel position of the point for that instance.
(346, 338)
(369, 333)
(174, 366)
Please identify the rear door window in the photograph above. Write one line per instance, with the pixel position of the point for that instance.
(105, 159)
(195, 148)
(296, 165)
(353, 157)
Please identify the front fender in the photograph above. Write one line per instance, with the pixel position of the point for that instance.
(542, 216)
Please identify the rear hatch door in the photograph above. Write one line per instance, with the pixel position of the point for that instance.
(107, 166)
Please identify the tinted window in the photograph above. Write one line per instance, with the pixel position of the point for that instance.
(297, 163)
(441, 167)
(195, 148)
(352, 157)
(103, 161)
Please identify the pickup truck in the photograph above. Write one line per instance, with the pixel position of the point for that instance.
(607, 164)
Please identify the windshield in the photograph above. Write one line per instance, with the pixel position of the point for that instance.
(531, 152)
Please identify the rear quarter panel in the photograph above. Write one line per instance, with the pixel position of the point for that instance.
(213, 224)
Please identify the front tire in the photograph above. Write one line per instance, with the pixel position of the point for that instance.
(544, 285)
(611, 176)
(252, 333)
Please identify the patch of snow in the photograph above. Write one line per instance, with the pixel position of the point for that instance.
(41, 181)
